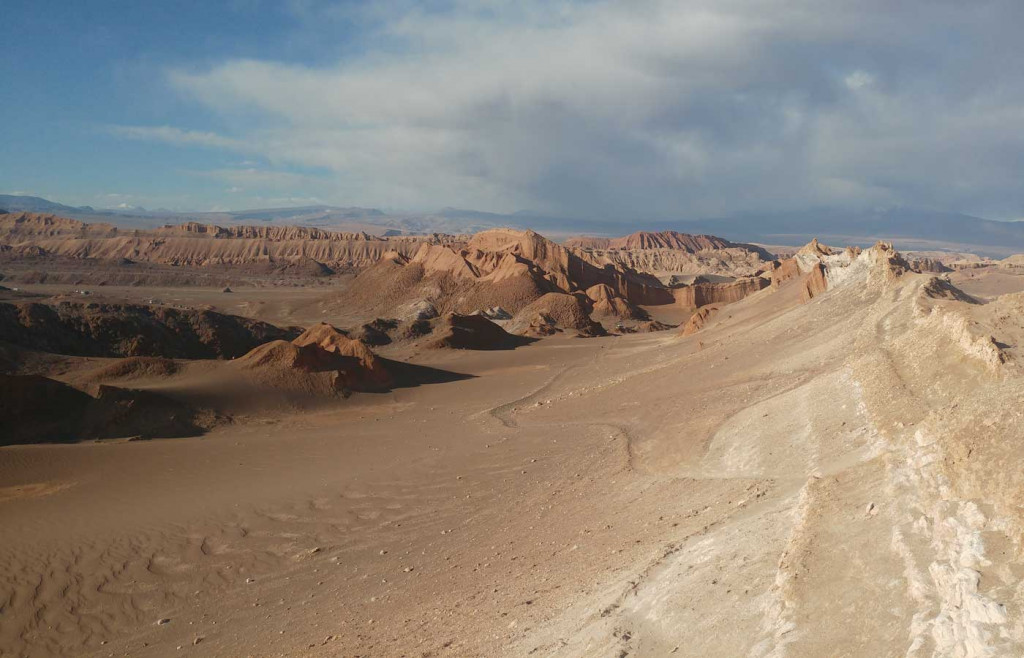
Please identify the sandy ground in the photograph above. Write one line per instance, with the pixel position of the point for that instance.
(795, 480)
(989, 282)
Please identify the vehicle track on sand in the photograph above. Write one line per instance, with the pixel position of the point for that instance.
(505, 413)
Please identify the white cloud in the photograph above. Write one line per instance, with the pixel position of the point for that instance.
(179, 136)
(859, 79)
(650, 107)
(253, 177)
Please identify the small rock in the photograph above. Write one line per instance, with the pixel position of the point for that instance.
(161, 622)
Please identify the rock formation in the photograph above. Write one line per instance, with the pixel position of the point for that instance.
(556, 312)
(471, 332)
(498, 268)
(703, 293)
(814, 283)
(929, 265)
(320, 362)
(332, 341)
(201, 245)
(609, 305)
(669, 255)
(698, 320)
(652, 240)
(93, 329)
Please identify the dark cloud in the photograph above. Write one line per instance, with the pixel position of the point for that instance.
(654, 109)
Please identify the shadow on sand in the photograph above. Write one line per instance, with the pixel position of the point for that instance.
(407, 375)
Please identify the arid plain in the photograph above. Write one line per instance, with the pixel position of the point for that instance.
(655, 445)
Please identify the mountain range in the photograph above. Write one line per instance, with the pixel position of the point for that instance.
(906, 227)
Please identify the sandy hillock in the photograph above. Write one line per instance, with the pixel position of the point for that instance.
(332, 341)
(93, 329)
(471, 332)
(321, 364)
(556, 312)
(38, 409)
(135, 367)
(321, 361)
(290, 370)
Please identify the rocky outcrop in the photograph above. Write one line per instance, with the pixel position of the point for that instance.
(669, 255)
(698, 320)
(645, 327)
(503, 253)
(931, 265)
(815, 249)
(814, 282)
(18, 227)
(652, 240)
(810, 266)
(270, 233)
(498, 268)
(607, 304)
(703, 293)
(785, 270)
(376, 332)
(886, 263)
(203, 245)
(91, 329)
(1014, 262)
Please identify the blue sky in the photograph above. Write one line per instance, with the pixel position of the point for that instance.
(74, 72)
(648, 108)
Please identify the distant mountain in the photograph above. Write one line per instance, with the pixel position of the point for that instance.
(312, 212)
(907, 228)
(14, 203)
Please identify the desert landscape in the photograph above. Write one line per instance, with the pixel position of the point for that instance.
(526, 329)
(298, 442)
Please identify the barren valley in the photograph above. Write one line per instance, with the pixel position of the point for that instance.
(273, 441)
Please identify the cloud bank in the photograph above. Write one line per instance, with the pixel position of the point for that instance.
(676, 109)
